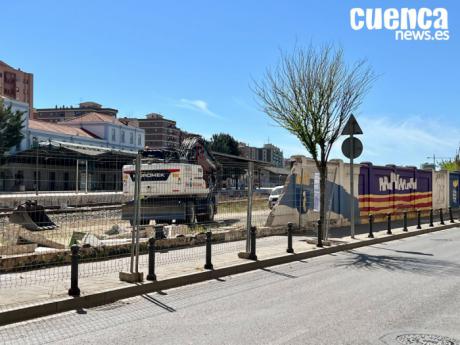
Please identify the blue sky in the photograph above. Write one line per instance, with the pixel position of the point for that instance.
(194, 61)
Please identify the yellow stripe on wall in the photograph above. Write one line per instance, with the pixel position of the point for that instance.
(379, 196)
(384, 203)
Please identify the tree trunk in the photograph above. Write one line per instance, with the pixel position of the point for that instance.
(322, 202)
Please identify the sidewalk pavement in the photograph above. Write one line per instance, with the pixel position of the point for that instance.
(36, 288)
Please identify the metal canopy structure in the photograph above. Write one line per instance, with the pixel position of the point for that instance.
(87, 150)
(238, 161)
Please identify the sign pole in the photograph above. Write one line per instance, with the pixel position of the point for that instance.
(352, 148)
(352, 186)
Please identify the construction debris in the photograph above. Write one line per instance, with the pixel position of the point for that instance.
(32, 217)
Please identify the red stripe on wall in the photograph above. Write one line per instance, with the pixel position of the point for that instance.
(414, 206)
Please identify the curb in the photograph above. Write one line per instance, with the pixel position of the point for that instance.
(110, 296)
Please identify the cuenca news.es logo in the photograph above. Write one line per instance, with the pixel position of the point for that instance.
(409, 24)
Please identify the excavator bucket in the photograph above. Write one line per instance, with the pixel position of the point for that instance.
(32, 217)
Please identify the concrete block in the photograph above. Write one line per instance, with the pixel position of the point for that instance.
(131, 277)
(15, 249)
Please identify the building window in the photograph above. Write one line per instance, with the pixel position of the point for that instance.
(139, 140)
(113, 134)
(131, 138)
(122, 136)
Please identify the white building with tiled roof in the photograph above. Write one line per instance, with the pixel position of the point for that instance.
(86, 153)
(108, 128)
(92, 130)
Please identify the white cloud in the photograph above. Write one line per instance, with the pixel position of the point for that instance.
(197, 105)
(406, 141)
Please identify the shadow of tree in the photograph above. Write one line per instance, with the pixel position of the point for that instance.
(419, 265)
(403, 251)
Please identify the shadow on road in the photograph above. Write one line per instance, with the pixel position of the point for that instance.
(158, 303)
(419, 265)
(278, 273)
(403, 251)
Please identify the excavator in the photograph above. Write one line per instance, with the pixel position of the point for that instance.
(176, 186)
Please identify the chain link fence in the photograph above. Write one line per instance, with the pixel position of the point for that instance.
(111, 203)
(52, 198)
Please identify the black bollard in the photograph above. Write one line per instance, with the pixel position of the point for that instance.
(451, 216)
(75, 258)
(252, 254)
(289, 238)
(208, 265)
(371, 223)
(419, 221)
(405, 221)
(320, 235)
(151, 275)
(441, 217)
(389, 224)
(431, 218)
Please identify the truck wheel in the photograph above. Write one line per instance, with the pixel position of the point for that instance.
(190, 213)
(209, 215)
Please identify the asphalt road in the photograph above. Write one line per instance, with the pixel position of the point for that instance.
(374, 295)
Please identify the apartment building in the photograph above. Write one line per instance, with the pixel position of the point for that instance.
(16, 84)
(159, 131)
(65, 113)
(268, 153)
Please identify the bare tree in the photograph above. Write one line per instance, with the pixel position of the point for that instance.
(312, 93)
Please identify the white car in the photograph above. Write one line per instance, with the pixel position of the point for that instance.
(275, 195)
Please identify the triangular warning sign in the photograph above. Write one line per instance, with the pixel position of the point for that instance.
(352, 127)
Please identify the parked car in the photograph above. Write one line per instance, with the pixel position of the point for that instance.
(275, 195)
(263, 191)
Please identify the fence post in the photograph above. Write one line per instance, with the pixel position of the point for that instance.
(441, 216)
(371, 223)
(389, 224)
(419, 221)
(151, 275)
(249, 210)
(405, 222)
(208, 265)
(451, 216)
(431, 218)
(289, 238)
(252, 254)
(75, 258)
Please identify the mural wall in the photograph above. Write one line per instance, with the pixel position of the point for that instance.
(379, 190)
(392, 189)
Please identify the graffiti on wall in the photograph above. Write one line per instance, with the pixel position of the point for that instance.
(393, 189)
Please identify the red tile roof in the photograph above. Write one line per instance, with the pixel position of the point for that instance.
(95, 117)
(58, 128)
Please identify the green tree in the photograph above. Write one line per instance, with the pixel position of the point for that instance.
(11, 124)
(312, 93)
(224, 143)
(451, 165)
